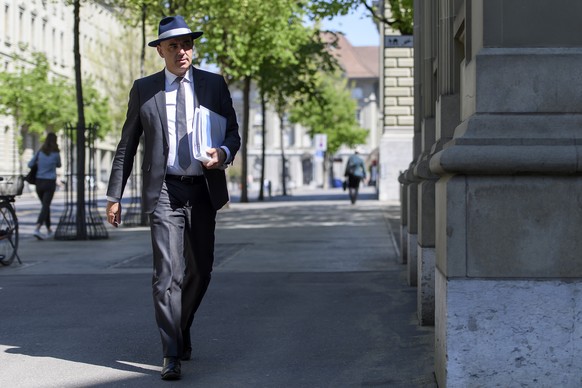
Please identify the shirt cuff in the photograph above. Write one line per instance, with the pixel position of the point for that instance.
(227, 151)
(113, 199)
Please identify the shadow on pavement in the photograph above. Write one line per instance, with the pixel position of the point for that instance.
(304, 195)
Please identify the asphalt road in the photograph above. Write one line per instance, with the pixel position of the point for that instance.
(306, 292)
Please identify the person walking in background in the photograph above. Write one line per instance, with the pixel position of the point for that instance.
(180, 194)
(355, 172)
(48, 159)
(373, 180)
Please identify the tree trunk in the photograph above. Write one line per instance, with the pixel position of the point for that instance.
(244, 196)
(283, 167)
(331, 171)
(143, 40)
(264, 132)
(80, 221)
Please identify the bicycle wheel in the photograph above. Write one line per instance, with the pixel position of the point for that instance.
(8, 234)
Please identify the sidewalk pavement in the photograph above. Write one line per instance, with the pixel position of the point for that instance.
(306, 292)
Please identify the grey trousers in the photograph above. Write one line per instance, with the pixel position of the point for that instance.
(182, 233)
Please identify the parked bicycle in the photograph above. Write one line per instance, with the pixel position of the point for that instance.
(10, 187)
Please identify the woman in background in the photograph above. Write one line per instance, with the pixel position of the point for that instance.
(48, 159)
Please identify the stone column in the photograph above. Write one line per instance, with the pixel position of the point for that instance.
(508, 211)
(412, 239)
(425, 25)
(436, 132)
(403, 219)
(426, 244)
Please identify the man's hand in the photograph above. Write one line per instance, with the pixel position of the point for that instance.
(113, 212)
(218, 156)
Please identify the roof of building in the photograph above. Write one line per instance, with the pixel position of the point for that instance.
(356, 61)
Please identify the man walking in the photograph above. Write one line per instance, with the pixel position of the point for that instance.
(180, 194)
(354, 173)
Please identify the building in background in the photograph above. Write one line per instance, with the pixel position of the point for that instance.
(304, 167)
(47, 27)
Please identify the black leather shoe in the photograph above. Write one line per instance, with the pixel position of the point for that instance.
(186, 354)
(172, 369)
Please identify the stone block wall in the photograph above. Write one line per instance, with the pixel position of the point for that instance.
(397, 96)
(504, 153)
(398, 88)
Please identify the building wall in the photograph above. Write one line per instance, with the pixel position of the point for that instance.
(498, 140)
(47, 27)
(397, 110)
(28, 27)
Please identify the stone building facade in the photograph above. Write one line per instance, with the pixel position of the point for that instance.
(28, 27)
(47, 27)
(493, 187)
(397, 107)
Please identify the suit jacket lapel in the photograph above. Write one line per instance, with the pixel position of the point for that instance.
(160, 97)
(199, 86)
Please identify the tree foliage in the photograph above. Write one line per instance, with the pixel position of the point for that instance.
(285, 79)
(240, 37)
(401, 11)
(266, 43)
(40, 102)
(290, 78)
(97, 109)
(32, 99)
(331, 112)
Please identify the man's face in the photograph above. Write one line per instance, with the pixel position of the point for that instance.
(177, 54)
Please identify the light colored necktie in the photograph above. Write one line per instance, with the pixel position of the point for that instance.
(181, 126)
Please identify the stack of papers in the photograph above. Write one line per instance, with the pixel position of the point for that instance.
(209, 132)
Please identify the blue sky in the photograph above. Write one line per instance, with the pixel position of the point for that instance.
(358, 27)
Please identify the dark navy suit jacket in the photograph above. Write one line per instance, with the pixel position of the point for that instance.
(146, 114)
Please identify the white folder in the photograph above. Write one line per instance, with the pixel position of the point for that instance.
(209, 132)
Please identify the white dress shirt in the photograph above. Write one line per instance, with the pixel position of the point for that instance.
(173, 167)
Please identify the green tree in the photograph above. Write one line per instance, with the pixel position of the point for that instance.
(238, 37)
(36, 102)
(97, 109)
(143, 14)
(332, 111)
(401, 10)
(251, 41)
(40, 102)
(293, 77)
(402, 16)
